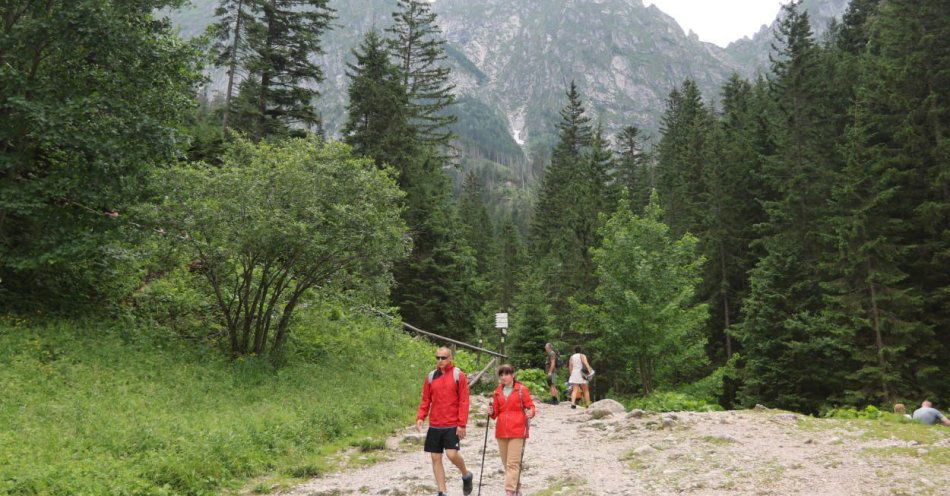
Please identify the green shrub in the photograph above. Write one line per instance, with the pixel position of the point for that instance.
(536, 380)
(670, 402)
(869, 412)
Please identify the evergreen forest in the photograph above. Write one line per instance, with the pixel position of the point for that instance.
(787, 243)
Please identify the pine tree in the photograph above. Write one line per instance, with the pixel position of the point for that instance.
(476, 224)
(730, 214)
(282, 45)
(437, 287)
(795, 357)
(684, 149)
(509, 265)
(554, 192)
(377, 123)
(235, 20)
(632, 167)
(569, 202)
(417, 47)
(532, 323)
(908, 115)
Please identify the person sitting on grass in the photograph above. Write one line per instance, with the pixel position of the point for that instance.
(929, 415)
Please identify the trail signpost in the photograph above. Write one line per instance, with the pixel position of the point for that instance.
(501, 322)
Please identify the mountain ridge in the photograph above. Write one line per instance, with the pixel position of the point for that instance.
(517, 57)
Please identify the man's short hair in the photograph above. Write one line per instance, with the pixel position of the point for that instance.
(926, 404)
(445, 348)
(548, 346)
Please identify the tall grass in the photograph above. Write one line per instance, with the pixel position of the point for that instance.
(106, 408)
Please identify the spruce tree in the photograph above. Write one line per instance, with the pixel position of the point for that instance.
(632, 170)
(907, 118)
(417, 48)
(564, 226)
(377, 123)
(476, 224)
(684, 150)
(283, 37)
(235, 20)
(532, 323)
(509, 265)
(795, 357)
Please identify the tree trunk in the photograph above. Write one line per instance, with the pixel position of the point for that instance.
(266, 71)
(727, 318)
(233, 66)
(878, 338)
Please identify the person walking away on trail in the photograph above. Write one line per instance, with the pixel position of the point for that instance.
(929, 415)
(512, 407)
(576, 366)
(551, 370)
(445, 401)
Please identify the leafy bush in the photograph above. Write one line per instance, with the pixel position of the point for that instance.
(869, 412)
(276, 220)
(671, 402)
(536, 380)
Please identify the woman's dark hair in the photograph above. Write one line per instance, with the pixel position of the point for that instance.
(506, 369)
(577, 348)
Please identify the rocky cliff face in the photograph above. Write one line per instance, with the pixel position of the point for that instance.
(516, 57)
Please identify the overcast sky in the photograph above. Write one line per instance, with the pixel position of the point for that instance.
(720, 21)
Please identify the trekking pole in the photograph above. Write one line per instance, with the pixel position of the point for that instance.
(481, 470)
(527, 425)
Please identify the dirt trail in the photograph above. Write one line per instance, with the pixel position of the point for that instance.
(754, 452)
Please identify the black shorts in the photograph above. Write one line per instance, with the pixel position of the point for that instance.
(550, 379)
(439, 440)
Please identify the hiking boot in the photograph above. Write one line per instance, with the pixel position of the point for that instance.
(573, 406)
(442, 494)
(467, 483)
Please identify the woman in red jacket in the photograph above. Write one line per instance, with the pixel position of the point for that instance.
(509, 403)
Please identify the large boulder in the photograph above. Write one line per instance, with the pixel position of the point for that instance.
(608, 405)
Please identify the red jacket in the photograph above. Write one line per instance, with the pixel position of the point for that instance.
(444, 401)
(512, 421)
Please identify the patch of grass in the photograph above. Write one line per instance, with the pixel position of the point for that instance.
(599, 414)
(669, 402)
(573, 485)
(118, 408)
(904, 431)
(369, 444)
(933, 456)
(886, 427)
(634, 461)
(718, 440)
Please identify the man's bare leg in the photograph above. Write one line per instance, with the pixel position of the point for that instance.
(456, 458)
(439, 471)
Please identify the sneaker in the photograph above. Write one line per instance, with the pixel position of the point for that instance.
(467, 483)
(442, 494)
(573, 406)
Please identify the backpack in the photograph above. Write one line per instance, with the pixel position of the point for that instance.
(455, 375)
(558, 361)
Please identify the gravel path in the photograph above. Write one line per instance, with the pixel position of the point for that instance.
(751, 452)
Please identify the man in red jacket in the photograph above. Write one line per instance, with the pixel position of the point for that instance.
(445, 402)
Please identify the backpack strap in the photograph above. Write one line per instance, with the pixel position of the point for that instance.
(455, 375)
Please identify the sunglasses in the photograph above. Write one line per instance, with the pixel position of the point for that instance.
(437, 357)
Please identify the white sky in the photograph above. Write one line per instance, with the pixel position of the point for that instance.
(720, 21)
